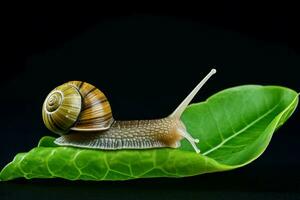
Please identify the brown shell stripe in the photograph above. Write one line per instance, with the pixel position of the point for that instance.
(98, 114)
(96, 111)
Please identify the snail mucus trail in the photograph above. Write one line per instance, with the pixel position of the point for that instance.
(81, 114)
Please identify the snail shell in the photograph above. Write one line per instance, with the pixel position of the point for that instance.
(76, 105)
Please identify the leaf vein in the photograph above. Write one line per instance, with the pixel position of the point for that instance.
(242, 130)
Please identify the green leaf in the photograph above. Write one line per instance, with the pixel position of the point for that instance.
(234, 126)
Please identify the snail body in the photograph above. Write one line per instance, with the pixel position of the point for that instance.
(134, 134)
(81, 114)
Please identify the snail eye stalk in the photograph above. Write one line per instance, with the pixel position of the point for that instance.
(179, 110)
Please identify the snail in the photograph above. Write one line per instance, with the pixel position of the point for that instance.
(81, 114)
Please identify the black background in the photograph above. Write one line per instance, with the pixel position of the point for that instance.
(146, 63)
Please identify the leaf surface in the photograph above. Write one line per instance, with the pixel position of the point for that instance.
(234, 126)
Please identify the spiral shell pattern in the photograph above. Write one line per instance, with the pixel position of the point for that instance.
(61, 109)
(76, 105)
